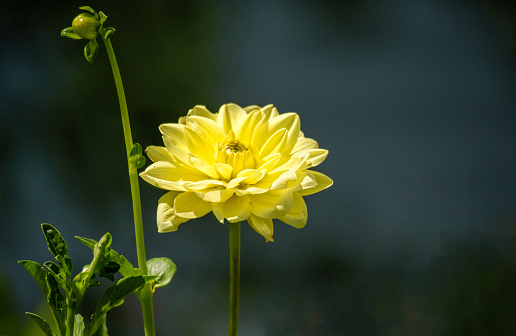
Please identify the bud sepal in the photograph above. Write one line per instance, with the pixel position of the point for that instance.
(88, 26)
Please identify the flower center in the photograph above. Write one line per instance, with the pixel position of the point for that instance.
(237, 155)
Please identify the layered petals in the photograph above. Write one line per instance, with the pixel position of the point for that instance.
(250, 163)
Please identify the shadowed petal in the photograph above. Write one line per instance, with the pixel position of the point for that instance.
(298, 214)
(189, 205)
(263, 226)
(166, 218)
(272, 204)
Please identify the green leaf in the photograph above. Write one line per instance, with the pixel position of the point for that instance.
(42, 324)
(38, 273)
(126, 268)
(56, 243)
(163, 268)
(57, 302)
(52, 266)
(91, 50)
(109, 270)
(113, 297)
(100, 257)
(78, 326)
(109, 32)
(136, 158)
(69, 33)
(87, 241)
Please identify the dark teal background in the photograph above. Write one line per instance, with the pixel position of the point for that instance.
(415, 101)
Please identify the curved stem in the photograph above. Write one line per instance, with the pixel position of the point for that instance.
(234, 277)
(145, 296)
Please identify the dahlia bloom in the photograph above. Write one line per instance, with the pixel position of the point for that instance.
(247, 163)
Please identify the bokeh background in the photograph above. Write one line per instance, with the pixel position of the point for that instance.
(415, 101)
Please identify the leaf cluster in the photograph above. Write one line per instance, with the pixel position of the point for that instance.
(64, 293)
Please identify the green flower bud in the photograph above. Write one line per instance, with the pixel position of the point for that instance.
(86, 25)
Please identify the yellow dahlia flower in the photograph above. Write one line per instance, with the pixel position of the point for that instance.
(247, 163)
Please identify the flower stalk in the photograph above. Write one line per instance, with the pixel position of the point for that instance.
(234, 277)
(145, 295)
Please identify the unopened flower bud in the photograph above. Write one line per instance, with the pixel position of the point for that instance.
(86, 25)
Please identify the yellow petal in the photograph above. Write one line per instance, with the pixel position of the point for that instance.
(316, 157)
(263, 226)
(235, 209)
(171, 176)
(203, 167)
(269, 111)
(158, 153)
(291, 122)
(251, 108)
(246, 130)
(167, 219)
(231, 117)
(269, 162)
(173, 131)
(224, 171)
(251, 175)
(275, 144)
(198, 146)
(202, 111)
(203, 185)
(295, 163)
(178, 151)
(215, 195)
(189, 205)
(206, 127)
(298, 214)
(304, 143)
(283, 180)
(323, 182)
(272, 204)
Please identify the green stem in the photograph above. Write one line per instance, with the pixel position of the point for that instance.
(234, 277)
(70, 318)
(145, 295)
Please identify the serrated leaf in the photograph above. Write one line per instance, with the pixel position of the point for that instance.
(38, 273)
(91, 50)
(69, 33)
(163, 268)
(42, 324)
(56, 243)
(78, 327)
(113, 297)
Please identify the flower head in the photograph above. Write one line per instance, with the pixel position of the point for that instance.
(86, 25)
(247, 163)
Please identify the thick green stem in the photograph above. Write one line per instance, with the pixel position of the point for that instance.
(145, 296)
(70, 318)
(234, 277)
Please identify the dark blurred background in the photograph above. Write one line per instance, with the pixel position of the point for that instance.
(415, 101)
